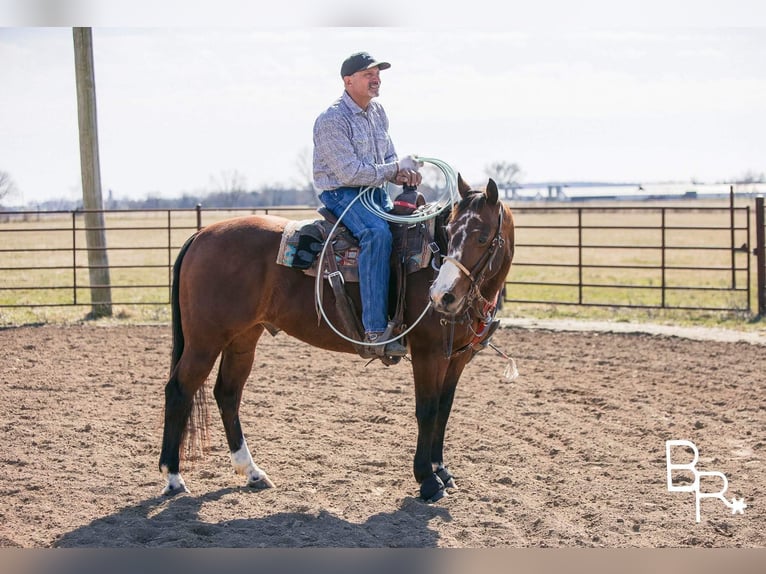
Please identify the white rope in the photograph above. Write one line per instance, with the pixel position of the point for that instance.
(445, 201)
(448, 197)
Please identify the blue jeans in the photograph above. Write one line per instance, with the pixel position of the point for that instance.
(375, 241)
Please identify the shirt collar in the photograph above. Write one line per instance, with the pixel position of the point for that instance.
(351, 104)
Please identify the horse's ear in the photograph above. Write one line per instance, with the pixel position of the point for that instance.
(491, 192)
(462, 186)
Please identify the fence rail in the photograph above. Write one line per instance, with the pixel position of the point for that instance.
(693, 257)
(669, 257)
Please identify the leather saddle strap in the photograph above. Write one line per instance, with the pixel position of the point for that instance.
(401, 281)
(347, 313)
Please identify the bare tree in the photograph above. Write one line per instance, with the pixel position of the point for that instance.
(304, 181)
(505, 173)
(7, 185)
(230, 183)
(304, 167)
(750, 176)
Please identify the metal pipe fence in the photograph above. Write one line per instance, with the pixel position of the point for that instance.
(44, 263)
(657, 257)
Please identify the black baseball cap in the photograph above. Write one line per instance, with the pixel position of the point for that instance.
(360, 61)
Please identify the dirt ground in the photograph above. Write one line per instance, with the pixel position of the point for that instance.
(570, 454)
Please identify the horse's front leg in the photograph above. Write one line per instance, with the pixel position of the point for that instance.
(429, 372)
(449, 386)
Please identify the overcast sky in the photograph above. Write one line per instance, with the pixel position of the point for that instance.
(178, 107)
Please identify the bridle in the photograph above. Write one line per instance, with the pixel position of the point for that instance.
(484, 264)
(484, 309)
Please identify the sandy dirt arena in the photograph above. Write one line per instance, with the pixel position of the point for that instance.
(570, 454)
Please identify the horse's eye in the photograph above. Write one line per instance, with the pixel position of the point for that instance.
(483, 239)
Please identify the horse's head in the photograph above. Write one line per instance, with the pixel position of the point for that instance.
(481, 244)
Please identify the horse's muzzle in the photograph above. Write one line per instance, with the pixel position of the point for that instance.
(446, 294)
(446, 304)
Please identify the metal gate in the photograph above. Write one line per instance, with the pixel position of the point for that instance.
(655, 257)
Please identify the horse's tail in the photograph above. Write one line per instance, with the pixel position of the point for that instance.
(175, 307)
(195, 437)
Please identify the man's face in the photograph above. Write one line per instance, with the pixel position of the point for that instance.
(363, 85)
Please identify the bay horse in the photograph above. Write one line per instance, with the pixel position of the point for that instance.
(227, 289)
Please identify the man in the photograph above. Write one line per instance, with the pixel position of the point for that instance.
(353, 151)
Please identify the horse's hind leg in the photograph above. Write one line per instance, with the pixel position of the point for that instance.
(186, 379)
(236, 364)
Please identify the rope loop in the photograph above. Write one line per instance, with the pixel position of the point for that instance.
(445, 201)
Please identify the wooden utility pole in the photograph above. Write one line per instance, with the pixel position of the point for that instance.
(95, 234)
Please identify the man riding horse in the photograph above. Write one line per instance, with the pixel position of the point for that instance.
(353, 151)
(229, 288)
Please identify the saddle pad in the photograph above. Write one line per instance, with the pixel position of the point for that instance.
(345, 246)
(289, 243)
(415, 244)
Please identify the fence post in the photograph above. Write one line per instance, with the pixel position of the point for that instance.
(74, 257)
(760, 254)
(733, 239)
(170, 255)
(579, 256)
(663, 260)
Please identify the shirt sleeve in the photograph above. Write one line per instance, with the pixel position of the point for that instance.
(335, 148)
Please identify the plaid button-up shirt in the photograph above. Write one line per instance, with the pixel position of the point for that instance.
(352, 146)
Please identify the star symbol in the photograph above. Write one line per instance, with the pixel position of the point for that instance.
(738, 505)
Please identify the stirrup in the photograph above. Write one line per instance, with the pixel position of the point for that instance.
(394, 349)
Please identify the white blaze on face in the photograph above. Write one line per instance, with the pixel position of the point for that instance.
(445, 282)
(449, 274)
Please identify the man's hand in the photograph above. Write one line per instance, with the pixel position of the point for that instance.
(408, 171)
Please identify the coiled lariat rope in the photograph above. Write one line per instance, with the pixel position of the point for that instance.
(429, 211)
(445, 201)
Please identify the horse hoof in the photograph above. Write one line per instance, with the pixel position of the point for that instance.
(260, 483)
(432, 489)
(446, 477)
(172, 490)
(175, 485)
